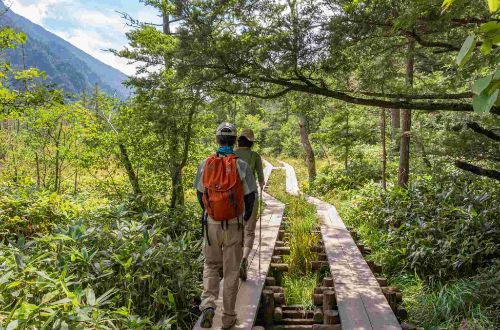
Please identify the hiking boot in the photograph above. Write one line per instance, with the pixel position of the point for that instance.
(243, 269)
(230, 326)
(207, 317)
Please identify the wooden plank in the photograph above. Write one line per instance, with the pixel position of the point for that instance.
(292, 185)
(361, 303)
(247, 301)
(360, 300)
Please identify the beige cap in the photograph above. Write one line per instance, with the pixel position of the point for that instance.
(248, 133)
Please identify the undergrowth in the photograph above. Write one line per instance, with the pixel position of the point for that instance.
(301, 220)
(437, 241)
(116, 265)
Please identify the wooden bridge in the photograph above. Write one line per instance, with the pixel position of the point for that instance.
(360, 301)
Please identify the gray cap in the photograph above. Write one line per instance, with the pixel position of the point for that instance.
(226, 129)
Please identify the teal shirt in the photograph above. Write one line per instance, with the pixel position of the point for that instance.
(253, 160)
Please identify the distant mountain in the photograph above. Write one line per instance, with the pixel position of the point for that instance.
(64, 64)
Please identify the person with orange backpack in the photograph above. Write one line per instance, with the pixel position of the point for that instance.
(226, 192)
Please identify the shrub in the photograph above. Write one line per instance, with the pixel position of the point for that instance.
(28, 212)
(119, 268)
(444, 226)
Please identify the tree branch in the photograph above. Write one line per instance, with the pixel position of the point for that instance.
(486, 132)
(429, 106)
(477, 170)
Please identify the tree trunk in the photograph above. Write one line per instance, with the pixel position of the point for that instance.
(395, 126)
(57, 171)
(347, 142)
(37, 161)
(177, 179)
(404, 151)
(384, 151)
(306, 144)
(134, 181)
(177, 188)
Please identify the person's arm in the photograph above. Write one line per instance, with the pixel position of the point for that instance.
(198, 185)
(249, 203)
(260, 170)
(200, 199)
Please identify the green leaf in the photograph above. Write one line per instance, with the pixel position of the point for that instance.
(481, 84)
(496, 75)
(90, 297)
(486, 47)
(446, 4)
(483, 103)
(489, 26)
(466, 50)
(494, 5)
(496, 40)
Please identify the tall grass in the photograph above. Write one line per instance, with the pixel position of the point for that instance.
(299, 290)
(301, 220)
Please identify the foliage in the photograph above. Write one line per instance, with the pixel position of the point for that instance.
(117, 268)
(444, 226)
(486, 89)
(28, 212)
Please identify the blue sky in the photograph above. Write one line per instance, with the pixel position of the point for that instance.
(91, 25)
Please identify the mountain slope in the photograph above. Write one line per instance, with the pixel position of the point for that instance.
(63, 63)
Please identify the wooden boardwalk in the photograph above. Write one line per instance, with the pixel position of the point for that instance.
(247, 301)
(360, 300)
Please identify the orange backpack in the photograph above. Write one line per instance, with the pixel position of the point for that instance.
(223, 195)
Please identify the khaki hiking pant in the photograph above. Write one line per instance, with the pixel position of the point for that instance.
(225, 251)
(250, 229)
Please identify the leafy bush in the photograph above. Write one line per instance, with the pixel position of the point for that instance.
(118, 269)
(444, 226)
(27, 211)
(358, 173)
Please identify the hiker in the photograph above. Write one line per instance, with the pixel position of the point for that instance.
(253, 159)
(226, 191)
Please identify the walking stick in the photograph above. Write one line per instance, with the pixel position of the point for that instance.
(260, 224)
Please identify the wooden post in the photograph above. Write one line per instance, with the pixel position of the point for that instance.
(270, 281)
(401, 313)
(278, 314)
(318, 265)
(331, 317)
(322, 257)
(318, 299)
(268, 300)
(318, 315)
(382, 281)
(328, 281)
(329, 300)
(279, 298)
(276, 259)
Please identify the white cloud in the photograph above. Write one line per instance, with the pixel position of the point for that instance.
(35, 12)
(95, 18)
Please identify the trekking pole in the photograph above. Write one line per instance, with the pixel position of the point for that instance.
(260, 224)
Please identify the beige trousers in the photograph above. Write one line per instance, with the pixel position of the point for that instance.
(225, 251)
(250, 229)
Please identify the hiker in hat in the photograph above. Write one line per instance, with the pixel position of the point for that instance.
(253, 159)
(226, 191)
